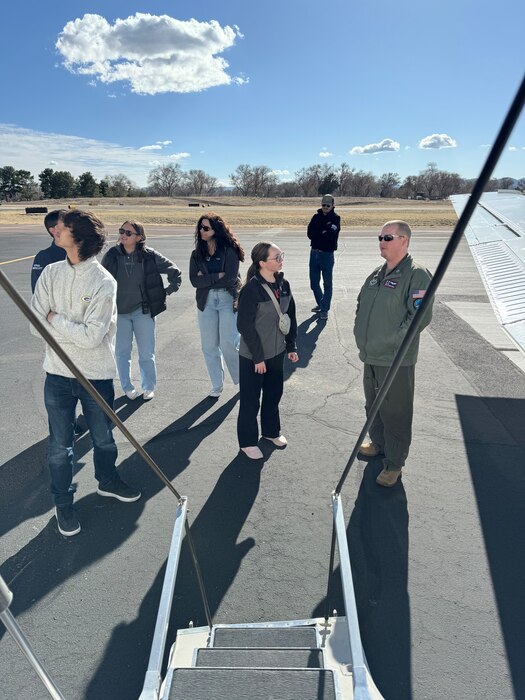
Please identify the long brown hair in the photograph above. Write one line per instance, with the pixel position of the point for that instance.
(259, 254)
(224, 237)
(139, 230)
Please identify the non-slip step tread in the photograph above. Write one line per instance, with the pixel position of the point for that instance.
(265, 637)
(264, 658)
(256, 684)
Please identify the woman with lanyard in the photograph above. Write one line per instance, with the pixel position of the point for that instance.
(141, 296)
(268, 326)
(214, 272)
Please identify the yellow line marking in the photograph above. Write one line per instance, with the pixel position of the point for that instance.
(6, 262)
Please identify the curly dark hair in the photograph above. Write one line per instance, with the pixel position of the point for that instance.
(87, 230)
(223, 236)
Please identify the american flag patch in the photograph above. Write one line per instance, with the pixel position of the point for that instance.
(418, 293)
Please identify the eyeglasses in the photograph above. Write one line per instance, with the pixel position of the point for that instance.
(278, 258)
(125, 232)
(206, 228)
(389, 237)
(326, 206)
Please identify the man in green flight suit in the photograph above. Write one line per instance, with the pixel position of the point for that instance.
(386, 305)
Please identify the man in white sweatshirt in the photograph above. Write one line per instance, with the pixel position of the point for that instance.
(76, 298)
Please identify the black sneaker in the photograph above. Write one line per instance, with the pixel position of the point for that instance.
(67, 521)
(316, 309)
(120, 490)
(323, 315)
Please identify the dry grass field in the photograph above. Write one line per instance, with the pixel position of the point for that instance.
(245, 212)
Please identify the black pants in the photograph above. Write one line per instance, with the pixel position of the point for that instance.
(391, 429)
(251, 384)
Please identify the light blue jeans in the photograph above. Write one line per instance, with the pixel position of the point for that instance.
(219, 337)
(143, 327)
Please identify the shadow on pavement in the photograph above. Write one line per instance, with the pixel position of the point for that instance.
(215, 532)
(377, 535)
(24, 479)
(496, 458)
(308, 333)
(106, 523)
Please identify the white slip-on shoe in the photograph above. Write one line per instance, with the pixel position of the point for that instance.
(252, 452)
(280, 441)
(148, 395)
(132, 395)
(215, 393)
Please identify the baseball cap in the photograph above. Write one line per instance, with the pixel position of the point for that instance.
(327, 199)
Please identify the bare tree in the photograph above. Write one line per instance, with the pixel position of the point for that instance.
(119, 185)
(345, 175)
(388, 184)
(198, 182)
(254, 181)
(165, 180)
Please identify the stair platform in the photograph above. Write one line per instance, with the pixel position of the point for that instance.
(265, 638)
(261, 658)
(256, 684)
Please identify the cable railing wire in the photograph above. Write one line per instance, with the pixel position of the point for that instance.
(40, 327)
(505, 131)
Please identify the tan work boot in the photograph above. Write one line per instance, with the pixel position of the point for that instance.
(388, 477)
(368, 449)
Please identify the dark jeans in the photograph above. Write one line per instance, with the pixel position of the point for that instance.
(391, 429)
(321, 263)
(251, 384)
(61, 395)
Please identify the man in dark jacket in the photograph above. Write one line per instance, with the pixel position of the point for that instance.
(386, 305)
(323, 232)
(51, 254)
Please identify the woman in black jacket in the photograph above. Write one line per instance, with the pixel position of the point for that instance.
(141, 296)
(265, 338)
(214, 271)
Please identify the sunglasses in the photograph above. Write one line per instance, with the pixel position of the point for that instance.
(206, 228)
(125, 232)
(388, 237)
(326, 206)
(278, 258)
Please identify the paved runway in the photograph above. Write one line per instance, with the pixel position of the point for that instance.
(438, 560)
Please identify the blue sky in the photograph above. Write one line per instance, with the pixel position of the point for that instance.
(121, 86)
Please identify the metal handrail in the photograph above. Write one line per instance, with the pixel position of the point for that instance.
(16, 633)
(35, 321)
(505, 131)
(152, 680)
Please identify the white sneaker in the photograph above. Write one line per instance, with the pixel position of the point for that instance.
(148, 395)
(252, 452)
(132, 395)
(215, 393)
(280, 441)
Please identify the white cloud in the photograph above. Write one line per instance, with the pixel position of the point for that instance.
(164, 143)
(36, 150)
(384, 145)
(512, 148)
(153, 53)
(155, 147)
(325, 154)
(280, 173)
(408, 148)
(437, 141)
(179, 156)
(485, 145)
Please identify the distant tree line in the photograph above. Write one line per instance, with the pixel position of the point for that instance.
(247, 180)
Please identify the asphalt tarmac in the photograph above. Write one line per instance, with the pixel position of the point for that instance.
(438, 560)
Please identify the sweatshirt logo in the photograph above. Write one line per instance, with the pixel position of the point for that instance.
(86, 299)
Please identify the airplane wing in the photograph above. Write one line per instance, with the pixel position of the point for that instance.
(496, 236)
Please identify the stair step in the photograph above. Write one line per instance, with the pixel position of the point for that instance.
(260, 658)
(256, 684)
(265, 637)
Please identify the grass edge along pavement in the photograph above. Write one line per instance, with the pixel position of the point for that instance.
(253, 213)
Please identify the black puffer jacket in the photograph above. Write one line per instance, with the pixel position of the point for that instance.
(153, 263)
